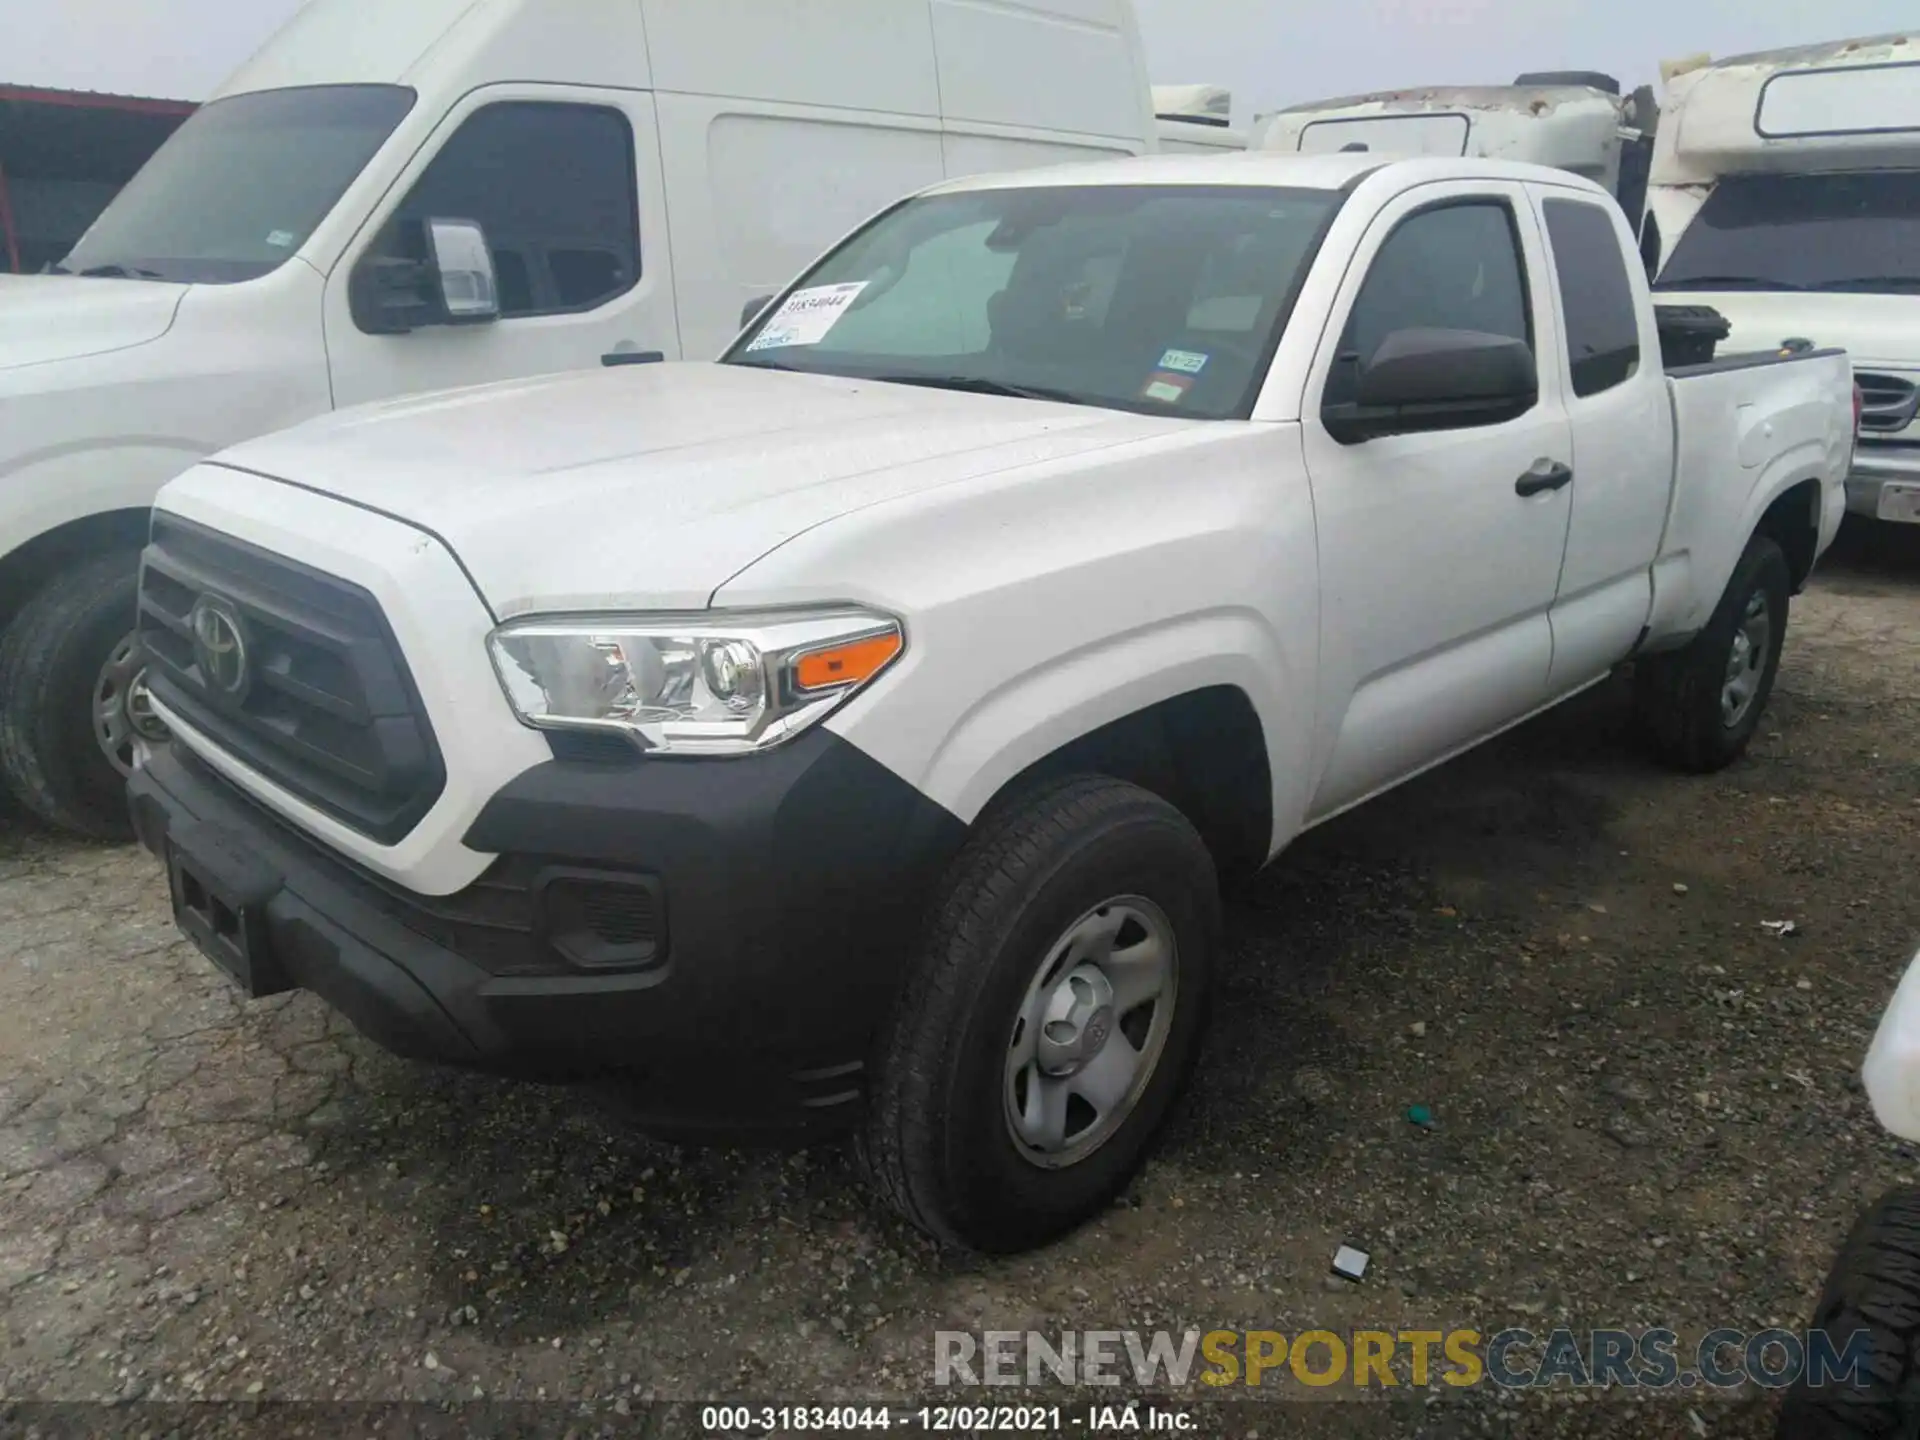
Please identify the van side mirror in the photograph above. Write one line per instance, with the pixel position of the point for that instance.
(393, 294)
(463, 269)
(1424, 380)
(753, 309)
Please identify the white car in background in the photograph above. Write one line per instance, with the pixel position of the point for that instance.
(1874, 1286)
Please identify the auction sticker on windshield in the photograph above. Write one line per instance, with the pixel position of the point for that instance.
(807, 316)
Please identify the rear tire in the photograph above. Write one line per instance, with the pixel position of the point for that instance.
(1698, 708)
(51, 661)
(1062, 911)
(1874, 1286)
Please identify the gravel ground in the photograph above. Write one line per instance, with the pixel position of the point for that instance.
(1645, 1111)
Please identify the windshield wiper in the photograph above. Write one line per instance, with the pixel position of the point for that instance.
(981, 385)
(108, 272)
(1714, 282)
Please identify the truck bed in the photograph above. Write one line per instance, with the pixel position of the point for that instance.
(1746, 360)
(1748, 426)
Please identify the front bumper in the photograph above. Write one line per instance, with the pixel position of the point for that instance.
(1884, 483)
(787, 890)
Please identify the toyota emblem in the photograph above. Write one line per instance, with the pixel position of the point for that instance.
(220, 645)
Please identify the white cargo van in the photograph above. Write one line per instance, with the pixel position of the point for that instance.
(1571, 121)
(445, 192)
(1785, 193)
(1196, 120)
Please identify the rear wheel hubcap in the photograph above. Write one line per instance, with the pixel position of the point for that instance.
(1752, 643)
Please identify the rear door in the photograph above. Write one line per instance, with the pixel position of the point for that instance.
(1622, 425)
(566, 184)
(1437, 573)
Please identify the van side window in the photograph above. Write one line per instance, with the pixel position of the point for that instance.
(1454, 267)
(554, 188)
(1603, 325)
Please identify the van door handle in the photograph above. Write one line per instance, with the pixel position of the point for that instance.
(1545, 475)
(633, 357)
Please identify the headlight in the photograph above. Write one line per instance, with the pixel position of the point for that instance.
(692, 684)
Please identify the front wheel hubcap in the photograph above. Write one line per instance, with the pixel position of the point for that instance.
(123, 717)
(1090, 1031)
(1747, 661)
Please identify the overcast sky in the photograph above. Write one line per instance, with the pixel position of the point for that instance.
(1271, 52)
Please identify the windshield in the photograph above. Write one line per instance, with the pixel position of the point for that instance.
(239, 187)
(1162, 299)
(1849, 233)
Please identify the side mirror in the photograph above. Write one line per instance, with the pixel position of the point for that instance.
(463, 268)
(1423, 380)
(752, 311)
(391, 294)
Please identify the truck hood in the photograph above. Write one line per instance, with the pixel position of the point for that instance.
(1876, 331)
(67, 317)
(651, 486)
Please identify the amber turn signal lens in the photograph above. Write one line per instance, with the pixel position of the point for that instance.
(848, 664)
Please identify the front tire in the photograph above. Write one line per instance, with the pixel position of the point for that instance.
(1050, 1019)
(1698, 708)
(54, 659)
(1873, 1287)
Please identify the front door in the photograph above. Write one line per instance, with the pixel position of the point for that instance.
(1437, 573)
(566, 184)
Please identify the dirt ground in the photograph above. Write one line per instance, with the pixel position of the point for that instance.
(1644, 1110)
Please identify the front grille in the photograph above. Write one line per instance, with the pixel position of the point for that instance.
(294, 673)
(1888, 403)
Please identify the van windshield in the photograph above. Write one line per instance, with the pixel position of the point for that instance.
(1162, 299)
(237, 189)
(1845, 233)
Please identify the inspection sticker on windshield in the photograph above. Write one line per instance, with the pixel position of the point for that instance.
(1167, 387)
(807, 316)
(280, 239)
(1184, 362)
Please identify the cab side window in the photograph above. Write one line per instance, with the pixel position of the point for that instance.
(1603, 324)
(554, 188)
(1454, 267)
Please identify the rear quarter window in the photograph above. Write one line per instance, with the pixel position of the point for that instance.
(1596, 296)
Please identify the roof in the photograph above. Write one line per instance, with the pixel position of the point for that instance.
(94, 100)
(1533, 99)
(82, 134)
(1257, 168)
(1204, 103)
(1867, 50)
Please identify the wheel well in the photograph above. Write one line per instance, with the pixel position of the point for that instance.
(1793, 523)
(23, 572)
(1203, 753)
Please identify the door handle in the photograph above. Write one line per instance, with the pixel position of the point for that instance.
(1545, 475)
(633, 357)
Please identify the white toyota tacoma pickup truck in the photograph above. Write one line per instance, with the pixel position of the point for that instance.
(848, 734)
